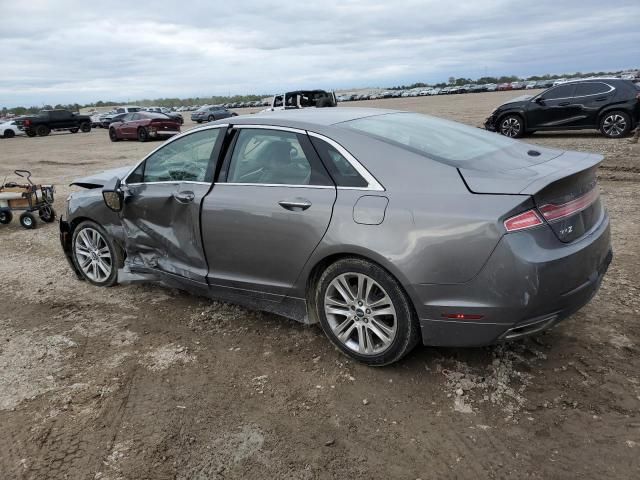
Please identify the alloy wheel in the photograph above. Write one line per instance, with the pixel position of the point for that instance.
(510, 127)
(614, 125)
(93, 255)
(360, 313)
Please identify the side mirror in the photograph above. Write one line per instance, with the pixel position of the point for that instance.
(540, 101)
(112, 195)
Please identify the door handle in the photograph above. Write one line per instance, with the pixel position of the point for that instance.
(295, 205)
(184, 197)
(601, 99)
(564, 104)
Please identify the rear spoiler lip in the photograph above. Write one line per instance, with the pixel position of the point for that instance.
(569, 163)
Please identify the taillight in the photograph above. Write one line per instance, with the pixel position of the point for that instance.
(522, 221)
(26, 123)
(552, 212)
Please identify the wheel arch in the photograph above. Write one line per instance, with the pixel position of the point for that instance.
(314, 272)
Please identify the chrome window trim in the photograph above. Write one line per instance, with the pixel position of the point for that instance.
(373, 184)
(271, 127)
(172, 139)
(611, 89)
(286, 185)
(167, 182)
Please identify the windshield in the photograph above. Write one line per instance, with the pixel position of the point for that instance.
(442, 140)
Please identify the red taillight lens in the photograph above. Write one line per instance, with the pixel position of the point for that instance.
(555, 212)
(26, 123)
(528, 219)
(462, 316)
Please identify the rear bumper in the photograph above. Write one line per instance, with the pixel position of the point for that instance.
(529, 284)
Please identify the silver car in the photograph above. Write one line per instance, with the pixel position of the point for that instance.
(388, 228)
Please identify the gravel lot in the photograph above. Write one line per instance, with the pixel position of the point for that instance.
(141, 382)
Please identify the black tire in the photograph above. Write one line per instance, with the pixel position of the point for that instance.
(407, 332)
(211, 118)
(85, 127)
(114, 251)
(5, 217)
(615, 124)
(42, 130)
(9, 134)
(198, 121)
(511, 126)
(30, 132)
(143, 135)
(47, 214)
(28, 221)
(113, 136)
(74, 130)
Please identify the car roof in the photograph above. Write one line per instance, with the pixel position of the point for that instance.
(308, 117)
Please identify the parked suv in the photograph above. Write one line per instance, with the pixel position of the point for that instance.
(609, 105)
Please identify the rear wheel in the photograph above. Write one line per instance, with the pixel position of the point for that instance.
(95, 255)
(28, 221)
(211, 118)
(143, 135)
(30, 132)
(47, 214)
(9, 134)
(615, 124)
(42, 130)
(5, 217)
(85, 127)
(113, 136)
(511, 126)
(365, 312)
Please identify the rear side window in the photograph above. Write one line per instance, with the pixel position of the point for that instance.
(273, 157)
(342, 172)
(563, 91)
(593, 88)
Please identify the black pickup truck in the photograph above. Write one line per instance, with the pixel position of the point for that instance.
(49, 120)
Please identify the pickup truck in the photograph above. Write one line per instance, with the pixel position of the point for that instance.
(302, 99)
(50, 120)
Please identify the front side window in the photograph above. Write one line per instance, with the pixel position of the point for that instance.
(273, 157)
(563, 91)
(185, 159)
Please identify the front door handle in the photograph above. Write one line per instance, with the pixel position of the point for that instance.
(296, 205)
(184, 197)
(564, 104)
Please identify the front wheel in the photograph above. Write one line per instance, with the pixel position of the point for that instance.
(113, 136)
(95, 255)
(30, 132)
(365, 312)
(28, 221)
(211, 118)
(615, 124)
(73, 130)
(511, 126)
(9, 134)
(143, 135)
(85, 127)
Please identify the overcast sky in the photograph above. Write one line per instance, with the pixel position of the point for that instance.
(83, 51)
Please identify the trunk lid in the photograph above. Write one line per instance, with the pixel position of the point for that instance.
(564, 189)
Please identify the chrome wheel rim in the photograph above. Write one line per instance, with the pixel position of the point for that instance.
(510, 127)
(360, 314)
(614, 125)
(93, 255)
(27, 221)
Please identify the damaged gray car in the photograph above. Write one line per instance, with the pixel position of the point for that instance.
(388, 228)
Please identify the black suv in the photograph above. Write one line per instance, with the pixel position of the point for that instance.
(609, 105)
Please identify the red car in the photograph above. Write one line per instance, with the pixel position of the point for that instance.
(504, 86)
(143, 126)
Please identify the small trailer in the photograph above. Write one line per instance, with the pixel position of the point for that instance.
(28, 198)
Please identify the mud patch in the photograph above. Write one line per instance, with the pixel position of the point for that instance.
(166, 356)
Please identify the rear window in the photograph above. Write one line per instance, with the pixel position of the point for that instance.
(442, 140)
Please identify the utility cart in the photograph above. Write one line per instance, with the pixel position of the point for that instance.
(28, 198)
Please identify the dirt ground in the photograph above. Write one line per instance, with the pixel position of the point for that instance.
(143, 382)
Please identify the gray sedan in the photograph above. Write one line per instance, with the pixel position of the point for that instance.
(388, 228)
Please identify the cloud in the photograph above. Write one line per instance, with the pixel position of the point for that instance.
(68, 51)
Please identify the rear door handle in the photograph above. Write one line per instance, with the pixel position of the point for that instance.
(564, 104)
(601, 99)
(184, 197)
(296, 205)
